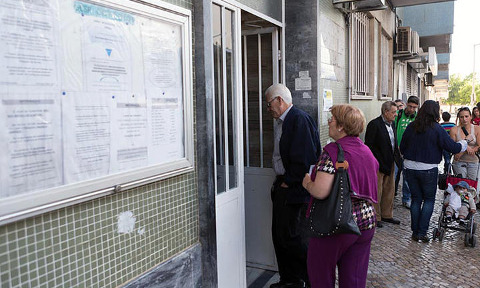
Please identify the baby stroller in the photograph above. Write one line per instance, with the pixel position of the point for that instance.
(469, 226)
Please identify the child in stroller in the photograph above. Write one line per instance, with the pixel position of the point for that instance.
(458, 204)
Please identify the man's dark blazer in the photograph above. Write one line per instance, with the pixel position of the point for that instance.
(378, 140)
(299, 148)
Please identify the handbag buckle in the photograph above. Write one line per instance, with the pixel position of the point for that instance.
(343, 165)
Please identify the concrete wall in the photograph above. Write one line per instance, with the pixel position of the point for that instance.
(333, 60)
(317, 42)
(205, 139)
(387, 19)
(79, 246)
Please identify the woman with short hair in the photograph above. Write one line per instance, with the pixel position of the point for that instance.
(349, 252)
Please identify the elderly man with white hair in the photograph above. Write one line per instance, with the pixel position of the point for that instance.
(296, 147)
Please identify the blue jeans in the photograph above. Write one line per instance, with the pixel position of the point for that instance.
(406, 194)
(423, 185)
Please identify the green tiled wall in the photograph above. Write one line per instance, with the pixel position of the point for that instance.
(79, 246)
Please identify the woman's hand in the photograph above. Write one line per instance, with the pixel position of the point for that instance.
(471, 151)
(320, 188)
(457, 156)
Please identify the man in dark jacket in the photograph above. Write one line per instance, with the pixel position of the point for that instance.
(296, 147)
(380, 137)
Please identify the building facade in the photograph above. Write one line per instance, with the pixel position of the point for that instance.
(199, 221)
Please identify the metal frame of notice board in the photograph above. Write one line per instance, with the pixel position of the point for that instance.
(152, 84)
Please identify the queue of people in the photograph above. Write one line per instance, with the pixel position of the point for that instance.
(411, 142)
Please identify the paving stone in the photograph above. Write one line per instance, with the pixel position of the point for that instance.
(398, 261)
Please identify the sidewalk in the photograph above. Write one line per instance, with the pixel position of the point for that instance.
(397, 261)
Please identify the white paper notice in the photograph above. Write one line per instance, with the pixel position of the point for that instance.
(166, 126)
(28, 50)
(129, 142)
(304, 82)
(163, 85)
(86, 136)
(30, 141)
(161, 47)
(327, 100)
(107, 55)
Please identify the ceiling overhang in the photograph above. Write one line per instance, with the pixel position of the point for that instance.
(443, 67)
(402, 3)
(441, 42)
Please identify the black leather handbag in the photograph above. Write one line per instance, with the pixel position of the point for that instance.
(442, 181)
(333, 215)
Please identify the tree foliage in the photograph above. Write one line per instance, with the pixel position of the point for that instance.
(460, 90)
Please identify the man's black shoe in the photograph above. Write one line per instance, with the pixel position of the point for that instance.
(424, 239)
(379, 224)
(391, 220)
(415, 238)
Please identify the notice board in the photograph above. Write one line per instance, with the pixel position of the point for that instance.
(95, 97)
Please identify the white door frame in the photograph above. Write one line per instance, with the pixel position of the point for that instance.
(258, 180)
(229, 205)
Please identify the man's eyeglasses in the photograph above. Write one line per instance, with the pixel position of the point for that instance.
(463, 109)
(269, 103)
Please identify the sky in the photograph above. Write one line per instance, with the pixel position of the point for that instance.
(465, 35)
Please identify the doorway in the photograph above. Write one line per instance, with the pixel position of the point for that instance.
(245, 63)
(260, 66)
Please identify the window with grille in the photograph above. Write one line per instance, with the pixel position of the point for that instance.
(385, 65)
(360, 55)
(412, 81)
(409, 80)
(415, 82)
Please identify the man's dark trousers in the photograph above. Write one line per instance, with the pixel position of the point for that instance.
(288, 237)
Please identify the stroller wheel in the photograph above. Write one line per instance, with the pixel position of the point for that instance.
(474, 227)
(436, 233)
(442, 233)
(466, 240)
(473, 241)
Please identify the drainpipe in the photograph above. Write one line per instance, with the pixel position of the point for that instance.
(347, 24)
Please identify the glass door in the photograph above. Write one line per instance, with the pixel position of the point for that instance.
(229, 206)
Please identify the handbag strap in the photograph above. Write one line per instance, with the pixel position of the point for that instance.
(341, 162)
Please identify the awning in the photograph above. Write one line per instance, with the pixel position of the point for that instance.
(402, 3)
